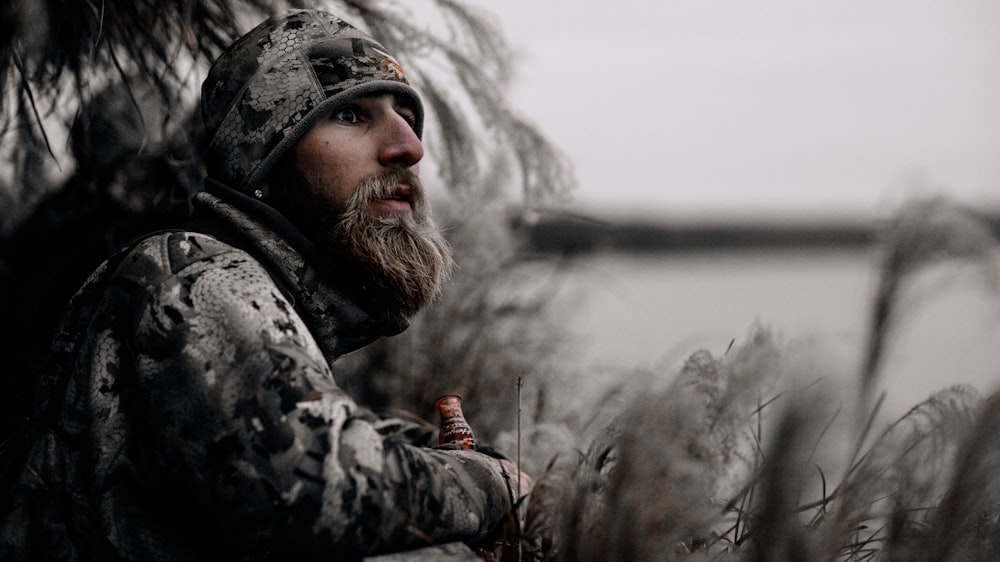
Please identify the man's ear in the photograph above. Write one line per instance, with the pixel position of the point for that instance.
(264, 190)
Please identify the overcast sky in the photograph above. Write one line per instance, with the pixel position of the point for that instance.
(776, 106)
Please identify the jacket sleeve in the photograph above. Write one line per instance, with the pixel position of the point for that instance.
(241, 427)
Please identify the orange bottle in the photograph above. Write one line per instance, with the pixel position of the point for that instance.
(454, 428)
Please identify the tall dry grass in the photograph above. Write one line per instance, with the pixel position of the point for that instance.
(753, 456)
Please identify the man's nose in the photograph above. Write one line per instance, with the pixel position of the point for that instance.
(399, 147)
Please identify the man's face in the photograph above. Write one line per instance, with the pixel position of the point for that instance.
(351, 185)
(358, 141)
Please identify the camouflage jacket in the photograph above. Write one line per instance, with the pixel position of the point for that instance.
(192, 414)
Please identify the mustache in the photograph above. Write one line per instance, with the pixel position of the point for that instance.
(394, 184)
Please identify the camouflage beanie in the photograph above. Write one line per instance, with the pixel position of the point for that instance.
(274, 83)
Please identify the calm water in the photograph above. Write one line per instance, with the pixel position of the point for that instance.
(652, 311)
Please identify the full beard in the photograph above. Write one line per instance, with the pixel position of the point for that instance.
(405, 255)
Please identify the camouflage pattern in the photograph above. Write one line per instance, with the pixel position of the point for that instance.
(192, 414)
(275, 82)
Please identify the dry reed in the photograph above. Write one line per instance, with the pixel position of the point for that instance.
(725, 464)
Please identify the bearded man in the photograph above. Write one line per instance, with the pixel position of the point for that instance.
(191, 411)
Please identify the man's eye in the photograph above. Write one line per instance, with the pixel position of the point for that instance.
(346, 115)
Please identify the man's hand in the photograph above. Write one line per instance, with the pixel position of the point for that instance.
(520, 486)
(522, 480)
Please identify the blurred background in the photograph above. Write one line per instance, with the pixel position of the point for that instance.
(773, 108)
(736, 160)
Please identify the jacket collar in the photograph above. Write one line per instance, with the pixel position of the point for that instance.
(335, 303)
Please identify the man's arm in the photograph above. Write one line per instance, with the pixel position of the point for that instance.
(246, 423)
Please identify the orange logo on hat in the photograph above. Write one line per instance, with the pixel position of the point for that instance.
(388, 58)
